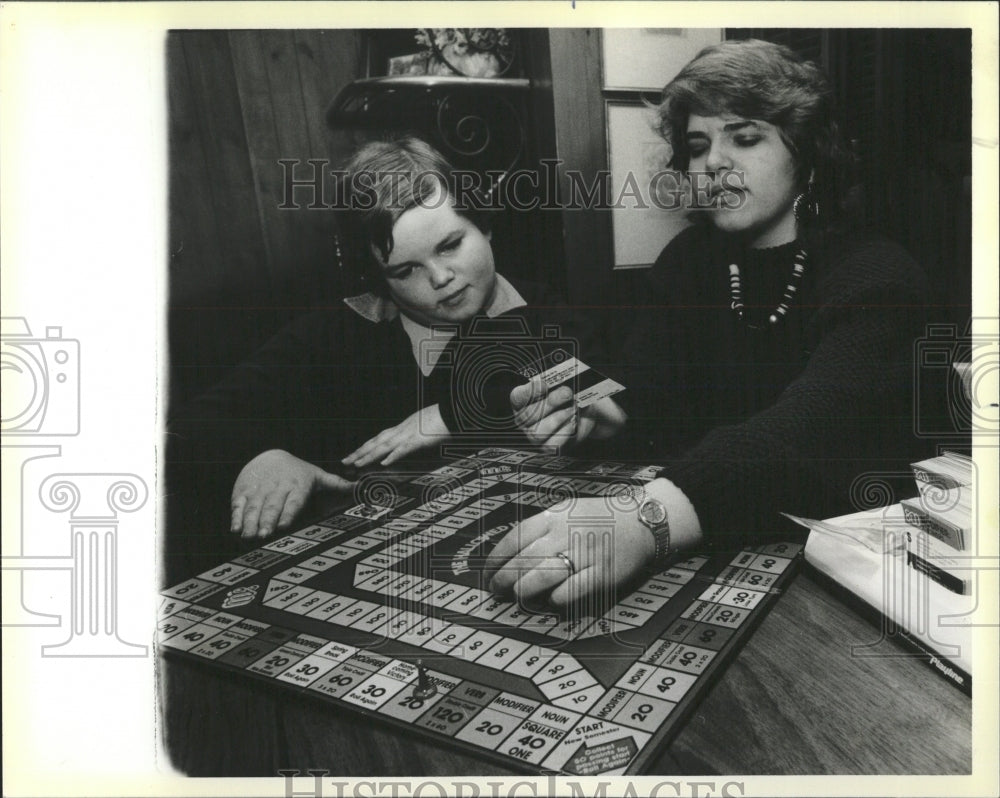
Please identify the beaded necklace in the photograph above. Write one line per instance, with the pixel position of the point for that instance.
(736, 292)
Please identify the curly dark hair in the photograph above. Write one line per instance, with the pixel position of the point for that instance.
(769, 82)
(380, 182)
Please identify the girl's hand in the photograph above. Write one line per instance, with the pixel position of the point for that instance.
(603, 538)
(424, 428)
(272, 488)
(547, 417)
(552, 418)
(600, 420)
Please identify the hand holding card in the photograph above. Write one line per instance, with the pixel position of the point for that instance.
(559, 368)
(544, 416)
(566, 401)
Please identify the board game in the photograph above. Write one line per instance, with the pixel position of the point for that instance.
(380, 609)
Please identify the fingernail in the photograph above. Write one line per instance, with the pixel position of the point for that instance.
(265, 531)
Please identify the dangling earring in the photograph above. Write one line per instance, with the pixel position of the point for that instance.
(338, 253)
(806, 207)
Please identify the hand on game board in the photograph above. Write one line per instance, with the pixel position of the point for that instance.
(272, 488)
(551, 417)
(608, 546)
(424, 428)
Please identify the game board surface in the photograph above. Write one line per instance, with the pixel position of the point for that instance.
(343, 611)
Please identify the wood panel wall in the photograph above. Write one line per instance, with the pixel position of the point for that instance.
(240, 266)
(582, 147)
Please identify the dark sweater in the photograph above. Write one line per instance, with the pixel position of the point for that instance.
(332, 380)
(751, 422)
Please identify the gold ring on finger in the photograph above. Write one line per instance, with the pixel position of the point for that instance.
(570, 565)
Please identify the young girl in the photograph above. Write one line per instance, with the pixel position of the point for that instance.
(369, 381)
(770, 361)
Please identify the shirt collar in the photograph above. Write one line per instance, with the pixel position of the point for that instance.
(378, 309)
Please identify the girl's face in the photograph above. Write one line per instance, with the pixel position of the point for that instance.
(749, 175)
(440, 270)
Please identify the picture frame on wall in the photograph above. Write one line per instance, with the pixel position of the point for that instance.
(644, 59)
(646, 211)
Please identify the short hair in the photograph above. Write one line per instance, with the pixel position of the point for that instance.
(770, 82)
(378, 184)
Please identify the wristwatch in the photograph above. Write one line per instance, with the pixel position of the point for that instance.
(653, 515)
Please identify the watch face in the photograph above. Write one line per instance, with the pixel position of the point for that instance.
(652, 512)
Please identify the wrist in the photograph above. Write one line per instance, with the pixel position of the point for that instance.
(684, 526)
(435, 421)
(653, 515)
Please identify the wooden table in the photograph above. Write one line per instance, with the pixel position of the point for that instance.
(794, 701)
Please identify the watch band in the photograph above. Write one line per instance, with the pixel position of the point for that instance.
(653, 515)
